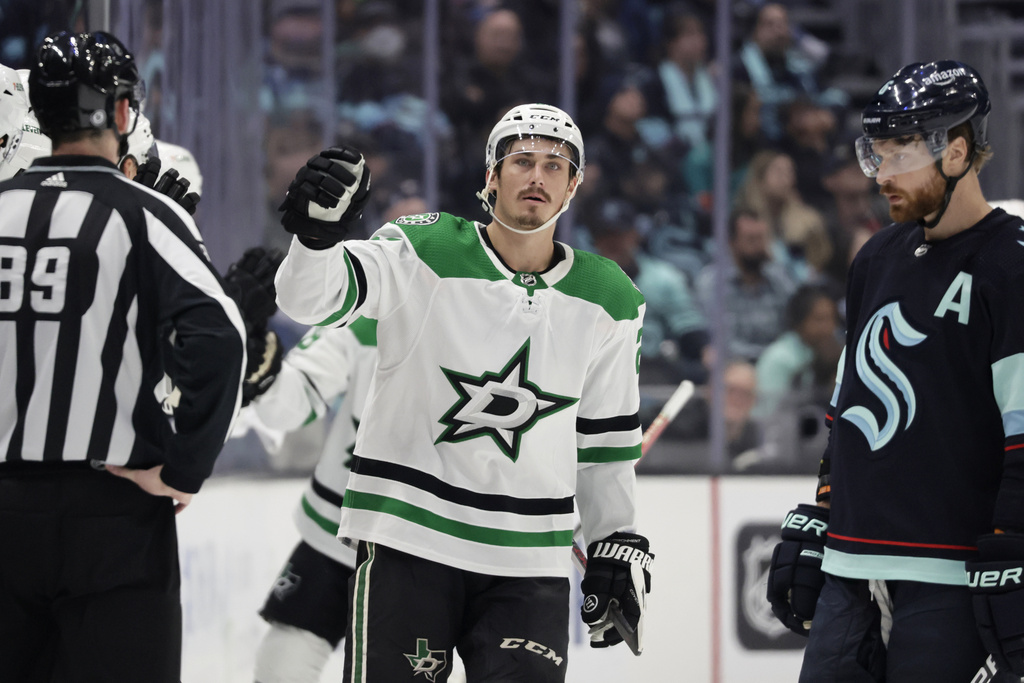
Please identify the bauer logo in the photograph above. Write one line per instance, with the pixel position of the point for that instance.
(756, 626)
(872, 119)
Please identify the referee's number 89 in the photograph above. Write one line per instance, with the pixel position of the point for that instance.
(47, 284)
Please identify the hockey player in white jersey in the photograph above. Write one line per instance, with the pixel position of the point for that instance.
(21, 141)
(506, 388)
(307, 605)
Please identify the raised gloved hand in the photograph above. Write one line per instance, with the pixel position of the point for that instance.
(170, 184)
(795, 577)
(996, 580)
(264, 355)
(615, 588)
(326, 197)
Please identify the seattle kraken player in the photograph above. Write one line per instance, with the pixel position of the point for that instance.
(924, 471)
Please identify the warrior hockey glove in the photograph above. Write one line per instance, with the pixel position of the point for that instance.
(615, 588)
(327, 197)
(169, 184)
(264, 363)
(996, 579)
(795, 577)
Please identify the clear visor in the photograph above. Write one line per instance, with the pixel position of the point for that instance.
(893, 156)
(555, 152)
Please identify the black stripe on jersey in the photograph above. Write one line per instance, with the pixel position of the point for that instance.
(453, 494)
(327, 494)
(110, 361)
(357, 270)
(619, 423)
(89, 234)
(39, 213)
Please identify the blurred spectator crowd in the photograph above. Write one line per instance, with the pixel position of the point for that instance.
(647, 91)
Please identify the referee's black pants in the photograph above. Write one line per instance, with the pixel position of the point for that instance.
(89, 579)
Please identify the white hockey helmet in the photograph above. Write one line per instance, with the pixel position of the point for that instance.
(535, 120)
(22, 140)
(538, 123)
(140, 139)
(13, 105)
(183, 161)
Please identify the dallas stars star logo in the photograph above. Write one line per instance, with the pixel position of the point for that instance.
(501, 405)
(426, 661)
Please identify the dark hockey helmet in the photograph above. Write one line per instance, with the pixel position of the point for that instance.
(920, 98)
(77, 79)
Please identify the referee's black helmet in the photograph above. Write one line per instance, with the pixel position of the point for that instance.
(78, 78)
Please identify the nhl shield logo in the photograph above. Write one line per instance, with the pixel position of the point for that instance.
(757, 628)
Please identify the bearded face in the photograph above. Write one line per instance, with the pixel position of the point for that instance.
(913, 202)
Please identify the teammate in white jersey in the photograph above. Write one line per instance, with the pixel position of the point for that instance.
(21, 141)
(307, 605)
(506, 388)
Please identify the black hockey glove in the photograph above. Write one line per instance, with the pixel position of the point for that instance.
(263, 365)
(795, 577)
(327, 197)
(615, 588)
(996, 579)
(250, 282)
(170, 184)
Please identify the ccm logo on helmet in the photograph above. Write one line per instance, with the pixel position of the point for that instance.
(943, 77)
(543, 117)
(994, 578)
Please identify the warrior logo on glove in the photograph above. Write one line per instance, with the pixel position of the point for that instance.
(615, 589)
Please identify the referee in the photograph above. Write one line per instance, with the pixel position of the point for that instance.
(120, 354)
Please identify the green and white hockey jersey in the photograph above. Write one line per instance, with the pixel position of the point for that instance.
(498, 397)
(326, 363)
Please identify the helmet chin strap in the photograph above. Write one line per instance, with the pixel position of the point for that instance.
(950, 186)
(485, 199)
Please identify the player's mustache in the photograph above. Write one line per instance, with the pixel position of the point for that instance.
(889, 189)
(535, 193)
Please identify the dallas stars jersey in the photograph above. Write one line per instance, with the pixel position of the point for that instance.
(926, 450)
(498, 395)
(323, 365)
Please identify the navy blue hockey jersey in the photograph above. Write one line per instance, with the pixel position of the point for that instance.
(926, 450)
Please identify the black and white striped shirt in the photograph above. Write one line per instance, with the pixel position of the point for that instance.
(117, 341)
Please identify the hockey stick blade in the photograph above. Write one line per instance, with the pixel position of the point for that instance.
(989, 673)
(629, 636)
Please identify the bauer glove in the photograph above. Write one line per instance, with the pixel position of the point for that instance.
(170, 184)
(615, 588)
(795, 577)
(996, 580)
(327, 197)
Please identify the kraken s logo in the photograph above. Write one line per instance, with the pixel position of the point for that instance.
(875, 342)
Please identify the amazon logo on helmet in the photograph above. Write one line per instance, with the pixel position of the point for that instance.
(77, 80)
(926, 97)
